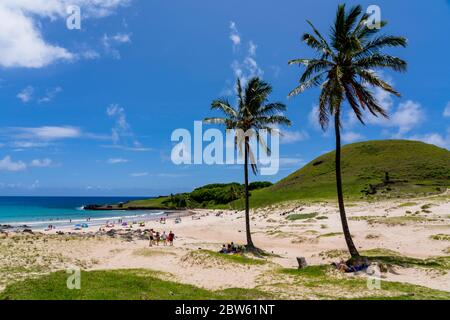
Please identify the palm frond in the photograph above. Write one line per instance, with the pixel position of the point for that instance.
(313, 82)
(382, 61)
(225, 107)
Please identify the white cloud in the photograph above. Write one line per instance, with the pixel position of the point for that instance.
(117, 160)
(293, 136)
(434, 138)
(139, 174)
(446, 112)
(403, 119)
(234, 35)
(30, 144)
(248, 67)
(42, 163)
(110, 42)
(23, 44)
(291, 162)
(7, 164)
(349, 137)
(26, 94)
(89, 54)
(406, 117)
(47, 133)
(50, 94)
(36, 184)
(313, 118)
(252, 48)
(121, 134)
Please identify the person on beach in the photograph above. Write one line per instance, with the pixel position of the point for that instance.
(158, 238)
(164, 238)
(224, 249)
(170, 238)
(152, 238)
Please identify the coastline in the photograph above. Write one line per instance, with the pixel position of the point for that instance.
(67, 225)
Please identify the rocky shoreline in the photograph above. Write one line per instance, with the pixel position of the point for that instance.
(123, 207)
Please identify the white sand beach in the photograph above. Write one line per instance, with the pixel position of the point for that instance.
(405, 227)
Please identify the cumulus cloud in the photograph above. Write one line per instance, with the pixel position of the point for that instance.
(110, 43)
(446, 112)
(42, 163)
(437, 139)
(7, 164)
(403, 118)
(291, 162)
(293, 136)
(350, 136)
(407, 116)
(50, 94)
(26, 94)
(23, 44)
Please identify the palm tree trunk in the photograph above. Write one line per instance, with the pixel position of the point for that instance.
(348, 238)
(247, 196)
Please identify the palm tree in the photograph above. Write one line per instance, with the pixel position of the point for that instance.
(252, 114)
(344, 68)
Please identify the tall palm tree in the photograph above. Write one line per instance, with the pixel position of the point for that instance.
(344, 68)
(252, 114)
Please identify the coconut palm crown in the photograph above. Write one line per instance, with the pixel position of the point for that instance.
(252, 113)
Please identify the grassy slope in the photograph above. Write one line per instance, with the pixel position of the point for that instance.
(147, 285)
(118, 285)
(421, 167)
(417, 167)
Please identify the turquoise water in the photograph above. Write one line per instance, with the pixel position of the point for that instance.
(39, 212)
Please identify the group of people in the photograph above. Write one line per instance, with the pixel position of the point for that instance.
(156, 238)
(343, 266)
(230, 248)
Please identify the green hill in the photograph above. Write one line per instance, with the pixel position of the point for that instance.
(371, 169)
(385, 168)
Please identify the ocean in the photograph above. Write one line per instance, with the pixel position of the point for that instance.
(39, 212)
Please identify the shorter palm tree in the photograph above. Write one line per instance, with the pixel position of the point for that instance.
(252, 114)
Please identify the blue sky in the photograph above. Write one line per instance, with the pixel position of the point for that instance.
(91, 111)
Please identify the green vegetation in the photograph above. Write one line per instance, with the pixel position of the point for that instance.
(392, 221)
(415, 169)
(324, 282)
(331, 234)
(209, 196)
(408, 204)
(394, 258)
(147, 252)
(302, 216)
(118, 285)
(225, 258)
(313, 282)
(440, 237)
